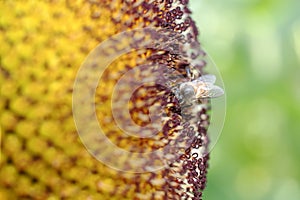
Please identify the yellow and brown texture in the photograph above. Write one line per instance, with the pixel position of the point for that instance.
(43, 44)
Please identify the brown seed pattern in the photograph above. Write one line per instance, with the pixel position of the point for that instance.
(42, 155)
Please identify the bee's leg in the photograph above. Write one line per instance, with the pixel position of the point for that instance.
(195, 73)
(188, 72)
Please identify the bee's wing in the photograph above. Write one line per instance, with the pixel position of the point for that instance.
(214, 91)
(207, 78)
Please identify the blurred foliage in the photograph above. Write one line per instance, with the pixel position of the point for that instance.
(256, 45)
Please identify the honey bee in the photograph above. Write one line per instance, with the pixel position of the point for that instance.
(202, 87)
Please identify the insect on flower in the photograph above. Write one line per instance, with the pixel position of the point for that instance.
(202, 87)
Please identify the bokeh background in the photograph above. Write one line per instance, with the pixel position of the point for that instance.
(256, 46)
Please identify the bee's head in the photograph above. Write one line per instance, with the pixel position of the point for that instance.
(187, 91)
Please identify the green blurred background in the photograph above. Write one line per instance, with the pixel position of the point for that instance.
(256, 46)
